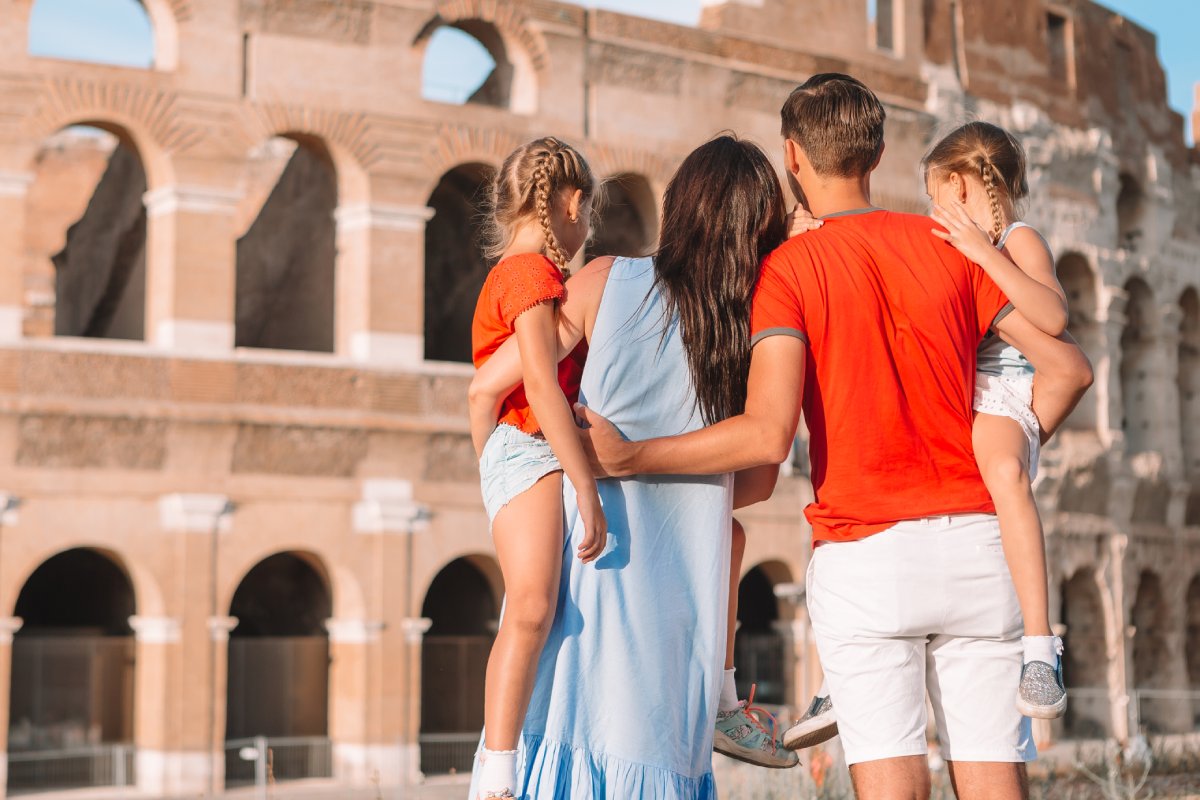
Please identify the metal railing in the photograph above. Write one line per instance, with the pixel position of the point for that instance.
(76, 768)
(263, 760)
(448, 753)
(760, 660)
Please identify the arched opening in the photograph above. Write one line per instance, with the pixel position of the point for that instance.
(278, 678)
(455, 267)
(285, 260)
(1150, 654)
(71, 695)
(471, 61)
(1137, 359)
(626, 218)
(85, 237)
(1130, 210)
(115, 32)
(1189, 393)
(1079, 283)
(1192, 645)
(463, 612)
(1085, 661)
(758, 649)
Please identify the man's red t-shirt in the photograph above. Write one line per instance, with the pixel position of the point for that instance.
(892, 317)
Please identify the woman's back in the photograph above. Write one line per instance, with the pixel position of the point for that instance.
(628, 683)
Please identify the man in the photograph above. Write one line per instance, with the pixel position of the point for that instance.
(871, 324)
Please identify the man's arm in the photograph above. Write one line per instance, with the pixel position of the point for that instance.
(761, 435)
(1063, 373)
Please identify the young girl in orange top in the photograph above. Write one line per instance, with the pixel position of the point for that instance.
(541, 212)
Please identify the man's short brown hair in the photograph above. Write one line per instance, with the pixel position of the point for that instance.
(838, 123)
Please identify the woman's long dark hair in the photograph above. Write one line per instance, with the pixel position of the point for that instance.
(723, 212)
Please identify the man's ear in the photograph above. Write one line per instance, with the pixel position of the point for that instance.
(791, 156)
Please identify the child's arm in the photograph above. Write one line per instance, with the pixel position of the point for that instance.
(501, 373)
(537, 342)
(1026, 275)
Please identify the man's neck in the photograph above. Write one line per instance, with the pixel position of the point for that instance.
(839, 195)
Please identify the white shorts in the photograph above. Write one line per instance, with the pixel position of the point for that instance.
(927, 605)
(1011, 396)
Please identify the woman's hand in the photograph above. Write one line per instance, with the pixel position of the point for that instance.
(595, 526)
(963, 232)
(801, 221)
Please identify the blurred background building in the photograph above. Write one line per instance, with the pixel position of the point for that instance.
(240, 505)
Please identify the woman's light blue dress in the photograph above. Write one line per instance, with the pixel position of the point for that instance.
(627, 686)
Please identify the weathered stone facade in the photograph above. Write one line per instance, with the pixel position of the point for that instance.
(277, 181)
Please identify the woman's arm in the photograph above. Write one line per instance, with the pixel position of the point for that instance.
(754, 485)
(1026, 274)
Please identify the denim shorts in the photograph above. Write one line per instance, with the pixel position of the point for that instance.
(513, 461)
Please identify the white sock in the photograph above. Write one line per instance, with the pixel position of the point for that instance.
(498, 771)
(729, 698)
(1042, 648)
(824, 690)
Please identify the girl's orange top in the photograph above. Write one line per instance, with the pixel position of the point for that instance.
(515, 285)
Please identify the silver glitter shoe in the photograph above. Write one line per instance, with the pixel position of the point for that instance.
(817, 725)
(1041, 693)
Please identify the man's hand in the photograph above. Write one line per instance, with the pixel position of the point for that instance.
(610, 453)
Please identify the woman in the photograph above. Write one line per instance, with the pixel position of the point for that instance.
(628, 683)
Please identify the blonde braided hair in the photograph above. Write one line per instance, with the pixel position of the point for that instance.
(990, 152)
(527, 187)
(989, 172)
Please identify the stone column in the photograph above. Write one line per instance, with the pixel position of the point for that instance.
(414, 629)
(388, 513)
(796, 635)
(380, 283)
(1118, 634)
(13, 188)
(1110, 405)
(194, 753)
(155, 640)
(8, 627)
(191, 267)
(352, 647)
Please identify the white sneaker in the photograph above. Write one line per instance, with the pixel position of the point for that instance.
(817, 725)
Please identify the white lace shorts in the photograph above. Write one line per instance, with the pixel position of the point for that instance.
(1011, 396)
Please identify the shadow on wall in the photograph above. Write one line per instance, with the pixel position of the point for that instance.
(100, 274)
(285, 261)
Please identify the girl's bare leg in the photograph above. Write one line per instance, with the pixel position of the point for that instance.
(735, 574)
(1002, 452)
(529, 545)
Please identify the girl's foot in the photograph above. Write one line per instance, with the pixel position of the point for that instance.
(1041, 693)
(742, 735)
(816, 726)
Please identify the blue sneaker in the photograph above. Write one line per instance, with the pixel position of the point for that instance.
(741, 734)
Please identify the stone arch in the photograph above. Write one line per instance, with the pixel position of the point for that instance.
(625, 217)
(287, 259)
(1079, 281)
(345, 588)
(759, 646)
(1188, 384)
(1131, 210)
(1192, 643)
(72, 661)
(462, 608)
(1085, 658)
(163, 18)
(1138, 370)
(455, 264)
(278, 660)
(147, 591)
(519, 52)
(1151, 655)
(86, 236)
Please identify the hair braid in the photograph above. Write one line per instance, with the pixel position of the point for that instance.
(987, 171)
(544, 179)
